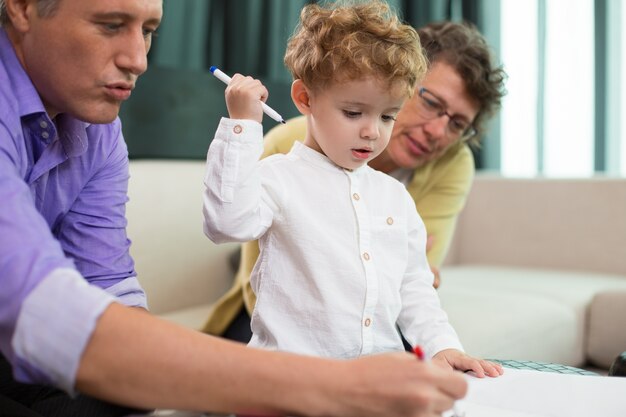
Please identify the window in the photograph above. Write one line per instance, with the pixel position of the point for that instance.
(519, 106)
(548, 115)
(616, 92)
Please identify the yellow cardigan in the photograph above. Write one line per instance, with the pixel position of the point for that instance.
(439, 189)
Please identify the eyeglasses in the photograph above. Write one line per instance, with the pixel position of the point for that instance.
(430, 107)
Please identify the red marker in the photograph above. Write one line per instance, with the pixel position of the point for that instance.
(418, 352)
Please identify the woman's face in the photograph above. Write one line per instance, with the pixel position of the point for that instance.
(417, 137)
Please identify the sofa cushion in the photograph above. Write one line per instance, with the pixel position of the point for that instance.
(497, 325)
(523, 313)
(192, 317)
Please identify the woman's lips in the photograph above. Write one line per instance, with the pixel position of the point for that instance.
(415, 147)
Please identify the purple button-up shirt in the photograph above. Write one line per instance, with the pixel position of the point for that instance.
(63, 245)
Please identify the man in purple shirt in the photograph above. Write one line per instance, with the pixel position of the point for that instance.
(72, 313)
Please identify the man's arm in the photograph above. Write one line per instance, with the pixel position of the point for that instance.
(136, 359)
(53, 225)
(93, 231)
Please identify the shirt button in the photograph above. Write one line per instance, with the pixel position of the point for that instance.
(389, 221)
(45, 135)
(368, 322)
(366, 256)
(43, 124)
(356, 196)
(237, 129)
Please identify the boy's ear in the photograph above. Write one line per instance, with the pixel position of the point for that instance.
(300, 96)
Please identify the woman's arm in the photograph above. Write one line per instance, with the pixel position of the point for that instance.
(439, 193)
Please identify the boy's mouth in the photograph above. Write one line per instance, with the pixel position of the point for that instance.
(362, 153)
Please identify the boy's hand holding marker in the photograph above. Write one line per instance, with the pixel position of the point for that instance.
(241, 95)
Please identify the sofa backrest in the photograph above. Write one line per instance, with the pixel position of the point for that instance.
(575, 224)
(177, 265)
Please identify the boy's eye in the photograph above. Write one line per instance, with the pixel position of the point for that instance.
(388, 118)
(349, 113)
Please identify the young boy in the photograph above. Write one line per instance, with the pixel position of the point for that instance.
(342, 249)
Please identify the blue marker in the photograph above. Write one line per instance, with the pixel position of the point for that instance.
(266, 109)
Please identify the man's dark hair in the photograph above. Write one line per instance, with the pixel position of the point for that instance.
(44, 8)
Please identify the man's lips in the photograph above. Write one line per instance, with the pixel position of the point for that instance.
(119, 91)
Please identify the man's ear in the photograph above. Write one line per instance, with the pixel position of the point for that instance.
(20, 13)
(301, 96)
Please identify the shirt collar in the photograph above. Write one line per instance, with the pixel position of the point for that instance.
(28, 100)
(70, 131)
(73, 135)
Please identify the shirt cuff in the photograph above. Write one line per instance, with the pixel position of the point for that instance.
(240, 130)
(54, 325)
(129, 292)
(442, 342)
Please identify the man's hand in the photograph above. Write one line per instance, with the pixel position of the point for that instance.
(399, 385)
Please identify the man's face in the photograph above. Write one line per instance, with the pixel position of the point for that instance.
(417, 140)
(351, 122)
(85, 58)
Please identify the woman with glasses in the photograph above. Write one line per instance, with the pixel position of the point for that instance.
(428, 152)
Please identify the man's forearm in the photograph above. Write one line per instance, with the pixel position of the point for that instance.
(138, 360)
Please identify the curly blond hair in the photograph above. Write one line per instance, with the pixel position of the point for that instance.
(345, 41)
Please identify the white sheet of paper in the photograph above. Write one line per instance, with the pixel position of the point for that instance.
(526, 393)
(478, 410)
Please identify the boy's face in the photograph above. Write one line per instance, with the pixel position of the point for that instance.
(351, 122)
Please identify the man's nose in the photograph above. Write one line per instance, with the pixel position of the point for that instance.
(134, 54)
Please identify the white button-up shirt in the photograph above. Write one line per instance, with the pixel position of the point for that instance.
(342, 253)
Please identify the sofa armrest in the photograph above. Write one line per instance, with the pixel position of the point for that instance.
(177, 265)
(607, 320)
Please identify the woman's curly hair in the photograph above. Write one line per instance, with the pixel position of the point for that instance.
(465, 49)
(352, 40)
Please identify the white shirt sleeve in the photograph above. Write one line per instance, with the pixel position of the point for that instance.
(235, 205)
(422, 319)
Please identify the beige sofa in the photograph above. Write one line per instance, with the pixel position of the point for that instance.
(537, 270)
